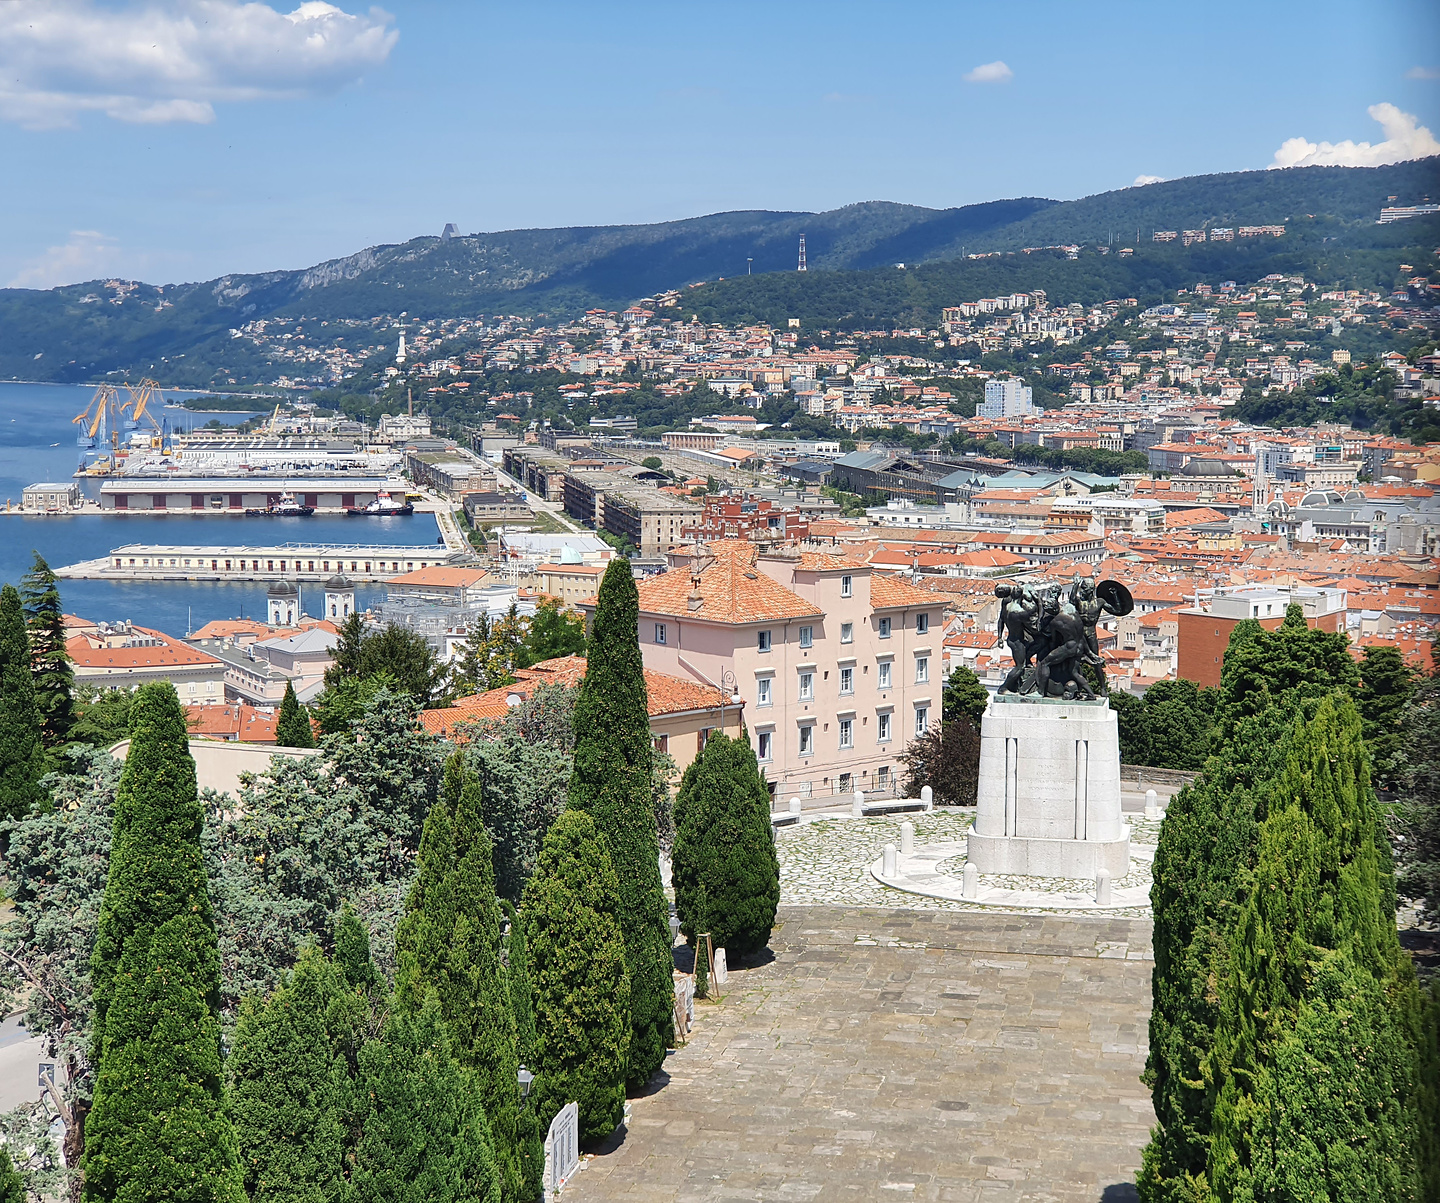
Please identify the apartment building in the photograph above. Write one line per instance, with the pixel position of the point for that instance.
(838, 666)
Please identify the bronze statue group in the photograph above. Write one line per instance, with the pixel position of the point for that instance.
(1051, 634)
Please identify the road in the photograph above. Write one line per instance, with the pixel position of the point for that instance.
(536, 502)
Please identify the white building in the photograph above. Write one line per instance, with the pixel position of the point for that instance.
(1006, 399)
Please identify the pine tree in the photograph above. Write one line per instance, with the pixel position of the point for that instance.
(287, 1088)
(22, 758)
(724, 845)
(554, 631)
(612, 783)
(1314, 1069)
(964, 695)
(449, 943)
(580, 986)
(292, 729)
(50, 663)
(421, 1130)
(1387, 687)
(157, 1128)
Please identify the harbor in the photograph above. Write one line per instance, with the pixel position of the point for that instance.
(293, 561)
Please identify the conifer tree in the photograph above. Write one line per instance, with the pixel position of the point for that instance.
(50, 663)
(421, 1131)
(292, 729)
(157, 1128)
(518, 963)
(724, 846)
(22, 758)
(964, 696)
(449, 943)
(1387, 687)
(580, 985)
(1315, 1071)
(287, 1088)
(612, 783)
(12, 1187)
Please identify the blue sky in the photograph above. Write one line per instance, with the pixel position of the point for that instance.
(181, 139)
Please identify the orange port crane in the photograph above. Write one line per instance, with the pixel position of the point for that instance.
(103, 411)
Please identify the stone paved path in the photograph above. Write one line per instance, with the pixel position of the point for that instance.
(907, 1055)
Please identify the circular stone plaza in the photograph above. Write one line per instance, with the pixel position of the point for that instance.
(909, 1034)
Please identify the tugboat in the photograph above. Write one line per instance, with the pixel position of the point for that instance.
(286, 507)
(384, 506)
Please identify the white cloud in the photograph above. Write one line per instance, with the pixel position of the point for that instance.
(1423, 73)
(989, 73)
(87, 254)
(1141, 180)
(1405, 139)
(174, 60)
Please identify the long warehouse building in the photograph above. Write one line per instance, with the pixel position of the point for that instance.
(220, 494)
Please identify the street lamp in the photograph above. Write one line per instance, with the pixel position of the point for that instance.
(674, 929)
(731, 687)
(525, 1078)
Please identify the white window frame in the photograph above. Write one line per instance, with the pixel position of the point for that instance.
(807, 637)
(922, 720)
(807, 739)
(807, 687)
(847, 632)
(763, 695)
(884, 625)
(847, 586)
(847, 733)
(882, 674)
(922, 670)
(847, 679)
(884, 729)
(763, 640)
(659, 632)
(764, 745)
(922, 624)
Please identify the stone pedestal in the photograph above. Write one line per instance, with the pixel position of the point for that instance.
(1049, 790)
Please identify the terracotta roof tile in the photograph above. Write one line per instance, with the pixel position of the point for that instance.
(891, 593)
(729, 587)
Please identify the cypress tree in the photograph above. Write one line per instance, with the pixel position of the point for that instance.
(12, 1187)
(612, 783)
(292, 729)
(518, 963)
(22, 758)
(724, 846)
(421, 1130)
(1387, 687)
(581, 988)
(50, 662)
(287, 1088)
(449, 942)
(157, 1128)
(1314, 1068)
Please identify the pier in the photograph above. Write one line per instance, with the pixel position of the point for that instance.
(295, 561)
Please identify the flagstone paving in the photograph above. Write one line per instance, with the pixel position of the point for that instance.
(904, 1054)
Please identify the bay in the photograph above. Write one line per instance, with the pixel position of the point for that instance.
(33, 416)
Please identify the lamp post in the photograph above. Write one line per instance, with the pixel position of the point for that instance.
(526, 1079)
(729, 687)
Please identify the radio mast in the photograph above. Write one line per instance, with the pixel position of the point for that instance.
(801, 268)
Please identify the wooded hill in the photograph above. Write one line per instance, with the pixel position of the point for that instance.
(58, 334)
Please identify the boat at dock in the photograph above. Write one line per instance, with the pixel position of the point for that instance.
(286, 507)
(384, 506)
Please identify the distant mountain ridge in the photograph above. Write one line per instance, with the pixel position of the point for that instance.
(76, 333)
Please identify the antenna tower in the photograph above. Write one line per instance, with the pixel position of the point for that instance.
(801, 268)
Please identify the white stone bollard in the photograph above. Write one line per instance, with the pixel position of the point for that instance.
(971, 888)
(794, 806)
(722, 972)
(927, 796)
(888, 868)
(1102, 888)
(1152, 809)
(857, 808)
(907, 838)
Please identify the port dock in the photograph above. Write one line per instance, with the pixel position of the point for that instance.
(294, 561)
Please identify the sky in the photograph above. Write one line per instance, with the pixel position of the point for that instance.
(177, 140)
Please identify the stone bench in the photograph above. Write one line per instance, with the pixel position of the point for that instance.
(893, 806)
(784, 818)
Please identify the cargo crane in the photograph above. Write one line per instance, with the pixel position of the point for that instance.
(141, 397)
(102, 414)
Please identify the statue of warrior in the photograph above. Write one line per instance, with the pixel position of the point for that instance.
(1069, 648)
(1019, 627)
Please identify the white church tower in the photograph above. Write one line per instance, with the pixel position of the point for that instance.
(282, 604)
(339, 598)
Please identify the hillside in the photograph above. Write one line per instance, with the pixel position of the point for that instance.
(181, 332)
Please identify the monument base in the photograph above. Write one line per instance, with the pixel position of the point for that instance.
(1049, 790)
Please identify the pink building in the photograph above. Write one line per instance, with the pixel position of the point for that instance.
(838, 666)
